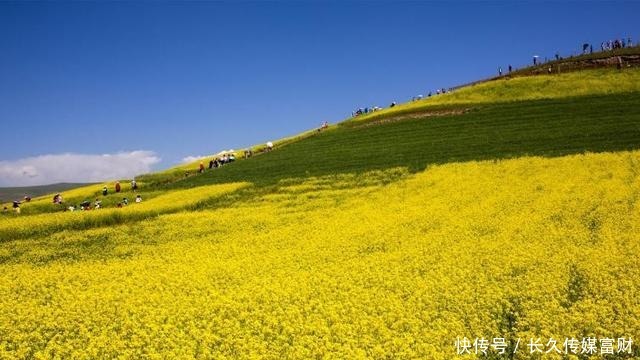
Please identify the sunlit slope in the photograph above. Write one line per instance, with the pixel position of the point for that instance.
(508, 89)
(552, 127)
(387, 238)
(168, 202)
(329, 268)
(495, 120)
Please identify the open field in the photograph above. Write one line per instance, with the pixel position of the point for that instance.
(527, 247)
(509, 209)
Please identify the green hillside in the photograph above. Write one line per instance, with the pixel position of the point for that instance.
(544, 115)
(506, 209)
(500, 119)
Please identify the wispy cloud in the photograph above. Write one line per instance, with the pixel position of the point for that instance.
(47, 169)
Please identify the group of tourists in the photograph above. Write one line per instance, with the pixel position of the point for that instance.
(86, 205)
(219, 161)
(615, 44)
(587, 48)
(117, 187)
(58, 200)
(97, 204)
(15, 205)
(230, 156)
(367, 110)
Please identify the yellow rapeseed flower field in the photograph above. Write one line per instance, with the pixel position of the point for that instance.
(169, 202)
(339, 267)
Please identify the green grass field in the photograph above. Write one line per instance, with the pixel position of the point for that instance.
(535, 127)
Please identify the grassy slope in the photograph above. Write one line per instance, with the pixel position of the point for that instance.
(574, 84)
(544, 127)
(604, 117)
(323, 257)
(582, 83)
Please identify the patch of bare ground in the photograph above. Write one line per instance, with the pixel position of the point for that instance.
(414, 115)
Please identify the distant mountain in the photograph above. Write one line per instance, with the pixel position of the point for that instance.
(17, 193)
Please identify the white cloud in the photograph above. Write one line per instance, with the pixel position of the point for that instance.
(48, 169)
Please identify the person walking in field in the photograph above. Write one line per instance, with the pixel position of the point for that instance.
(16, 206)
(105, 191)
(134, 185)
(118, 186)
(201, 167)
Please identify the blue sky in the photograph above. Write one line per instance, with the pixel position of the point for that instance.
(167, 80)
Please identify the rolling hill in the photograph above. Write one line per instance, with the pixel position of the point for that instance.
(507, 209)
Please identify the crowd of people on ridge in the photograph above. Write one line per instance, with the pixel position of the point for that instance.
(368, 110)
(230, 156)
(613, 44)
(587, 48)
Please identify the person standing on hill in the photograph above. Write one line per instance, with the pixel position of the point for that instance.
(500, 71)
(16, 206)
(105, 191)
(201, 168)
(134, 185)
(118, 186)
